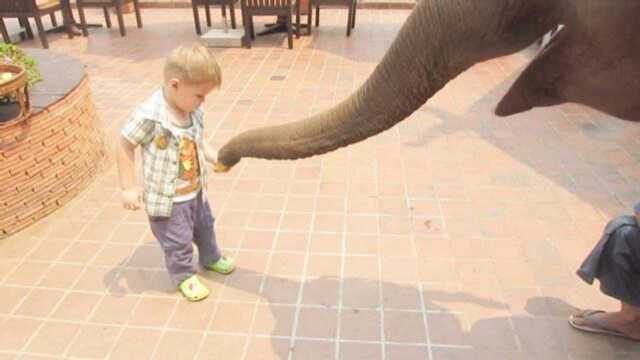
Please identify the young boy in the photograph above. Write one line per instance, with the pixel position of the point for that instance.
(169, 128)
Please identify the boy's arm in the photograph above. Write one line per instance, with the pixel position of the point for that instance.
(125, 159)
(210, 154)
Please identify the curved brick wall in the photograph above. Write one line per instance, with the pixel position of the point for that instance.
(47, 159)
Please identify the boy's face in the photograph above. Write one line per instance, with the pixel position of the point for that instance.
(189, 96)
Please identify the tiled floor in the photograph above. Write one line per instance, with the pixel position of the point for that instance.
(454, 235)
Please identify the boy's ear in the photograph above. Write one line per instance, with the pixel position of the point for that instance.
(174, 83)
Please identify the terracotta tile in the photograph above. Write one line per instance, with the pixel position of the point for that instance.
(534, 332)
(328, 222)
(402, 326)
(152, 312)
(453, 354)
(252, 261)
(406, 352)
(67, 230)
(275, 203)
(6, 267)
(178, 345)
(292, 241)
(362, 224)
(492, 334)
(113, 254)
(81, 252)
(114, 310)
(94, 341)
(447, 329)
(363, 325)
(130, 233)
(281, 290)
(286, 264)
(360, 293)
(17, 247)
(399, 269)
(361, 267)
(274, 320)
(76, 306)
(15, 332)
(232, 317)
(39, 302)
(11, 296)
(324, 265)
(322, 291)
(49, 250)
(140, 342)
(268, 349)
(264, 220)
(300, 204)
(404, 296)
(437, 270)
(100, 231)
(360, 351)
(317, 323)
(326, 242)
(96, 278)
(393, 245)
(61, 276)
(330, 204)
(53, 338)
(240, 287)
(361, 244)
(214, 344)
(296, 222)
(316, 350)
(27, 274)
(258, 240)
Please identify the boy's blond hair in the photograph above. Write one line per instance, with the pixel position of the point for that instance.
(194, 64)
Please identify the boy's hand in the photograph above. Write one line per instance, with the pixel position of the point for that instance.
(131, 198)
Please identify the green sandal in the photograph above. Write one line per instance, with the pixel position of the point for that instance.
(193, 289)
(224, 265)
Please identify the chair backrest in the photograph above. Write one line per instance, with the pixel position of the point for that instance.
(266, 5)
(18, 6)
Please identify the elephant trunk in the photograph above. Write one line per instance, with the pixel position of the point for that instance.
(439, 40)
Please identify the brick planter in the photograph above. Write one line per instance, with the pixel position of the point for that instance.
(47, 159)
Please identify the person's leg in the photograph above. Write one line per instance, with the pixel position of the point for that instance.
(205, 238)
(175, 235)
(204, 235)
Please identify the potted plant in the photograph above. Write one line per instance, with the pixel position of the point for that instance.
(17, 71)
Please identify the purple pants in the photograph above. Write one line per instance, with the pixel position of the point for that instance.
(190, 221)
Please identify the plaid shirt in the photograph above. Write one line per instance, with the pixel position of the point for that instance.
(148, 126)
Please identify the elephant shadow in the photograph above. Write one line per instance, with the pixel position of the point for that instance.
(354, 307)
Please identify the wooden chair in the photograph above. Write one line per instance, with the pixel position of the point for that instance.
(105, 5)
(280, 8)
(206, 3)
(23, 10)
(351, 14)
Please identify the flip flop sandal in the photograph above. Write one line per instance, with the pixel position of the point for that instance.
(193, 289)
(595, 326)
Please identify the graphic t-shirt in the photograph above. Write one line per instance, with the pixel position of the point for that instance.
(187, 183)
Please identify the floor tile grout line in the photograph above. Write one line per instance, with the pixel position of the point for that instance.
(383, 339)
(102, 297)
(296, 315)
(234, 183)
(425, 322)
(24, 348)
(140, 299)
(264, 276)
